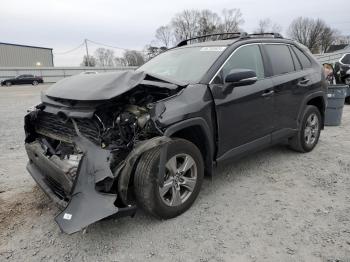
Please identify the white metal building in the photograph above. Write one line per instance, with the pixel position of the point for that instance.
(13, 55)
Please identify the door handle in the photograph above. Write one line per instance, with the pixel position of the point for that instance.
(304, 81)
(268, 93)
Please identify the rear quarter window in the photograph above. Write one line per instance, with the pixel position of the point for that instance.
(280, 57)
(305, 61)
(297, 63)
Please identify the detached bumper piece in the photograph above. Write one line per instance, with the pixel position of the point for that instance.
(83, 204)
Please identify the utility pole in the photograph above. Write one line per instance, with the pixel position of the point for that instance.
(87, 52)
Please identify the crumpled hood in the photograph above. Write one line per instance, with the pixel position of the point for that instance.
(96, 86)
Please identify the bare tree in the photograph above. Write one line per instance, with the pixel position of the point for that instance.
(185, 24)
(104, 57)
(152, 51)
(208, 23)
(133, 58)
(313, 33)
(193, 23)
(164, 35)
(231, 20)
(91, 61)
(267, 26)
(120, 61)
(327, 38)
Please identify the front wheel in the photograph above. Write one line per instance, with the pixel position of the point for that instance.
(307, 137)
(184, 170)
(8, 83)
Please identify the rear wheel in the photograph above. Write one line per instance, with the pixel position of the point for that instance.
(184, 170)
(35, 83)
(307, 137)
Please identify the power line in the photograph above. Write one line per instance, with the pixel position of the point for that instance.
(110, 46)
(71, 50)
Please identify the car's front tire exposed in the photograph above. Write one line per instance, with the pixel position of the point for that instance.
(307, 137)
(184, 170)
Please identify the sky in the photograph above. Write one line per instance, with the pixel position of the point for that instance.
(64, 24)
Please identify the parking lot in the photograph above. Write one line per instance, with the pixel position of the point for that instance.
(276, 205)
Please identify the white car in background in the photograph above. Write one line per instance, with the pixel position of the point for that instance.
(88, 73)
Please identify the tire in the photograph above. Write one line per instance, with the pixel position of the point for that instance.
(307, 137)
(8, 83)
(35, 83)
(147, 191)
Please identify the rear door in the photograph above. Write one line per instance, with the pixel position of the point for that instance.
(291, 83)
(244, 112)
(29, 79)
(20, 79)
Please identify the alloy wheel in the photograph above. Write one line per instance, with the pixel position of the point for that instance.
(311, 129)
(179, 181)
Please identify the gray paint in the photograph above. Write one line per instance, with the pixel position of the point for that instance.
(20, 55)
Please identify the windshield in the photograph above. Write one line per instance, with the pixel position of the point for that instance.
(184, 64)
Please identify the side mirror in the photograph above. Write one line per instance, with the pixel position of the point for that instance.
(241, 77)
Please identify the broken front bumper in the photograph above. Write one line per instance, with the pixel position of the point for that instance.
(82, 203)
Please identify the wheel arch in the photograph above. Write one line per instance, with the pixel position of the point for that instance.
(319, 102)
(317, 99)
(197, 131)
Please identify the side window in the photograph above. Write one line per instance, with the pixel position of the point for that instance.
(296, 60)
(306, 63)
(281, 59)
(246, 57)
(346, 59)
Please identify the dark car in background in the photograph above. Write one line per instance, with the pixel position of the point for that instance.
(22, 80)
(111, 142)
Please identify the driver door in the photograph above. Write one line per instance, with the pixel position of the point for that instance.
(244, 113)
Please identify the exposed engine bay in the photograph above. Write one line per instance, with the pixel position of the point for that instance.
(81, 150)
(116, 126)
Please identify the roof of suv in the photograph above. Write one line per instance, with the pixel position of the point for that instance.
(215, 43)
(228, 42)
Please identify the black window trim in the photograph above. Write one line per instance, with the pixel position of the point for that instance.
(233, 52)
(290, 47)
(308, 58)
(280, 43)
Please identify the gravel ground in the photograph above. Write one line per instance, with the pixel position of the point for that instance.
(276, 205)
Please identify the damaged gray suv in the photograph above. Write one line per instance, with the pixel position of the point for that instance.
(105, 144)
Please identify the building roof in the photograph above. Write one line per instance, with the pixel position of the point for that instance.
(2, 43)
(334, 48)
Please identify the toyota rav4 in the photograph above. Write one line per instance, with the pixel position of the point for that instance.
(105, 144)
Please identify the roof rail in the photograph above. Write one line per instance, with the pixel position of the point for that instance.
(273, 35)
(213, 37)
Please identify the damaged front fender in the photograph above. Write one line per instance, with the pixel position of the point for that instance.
(87, 205)
(126, 169)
